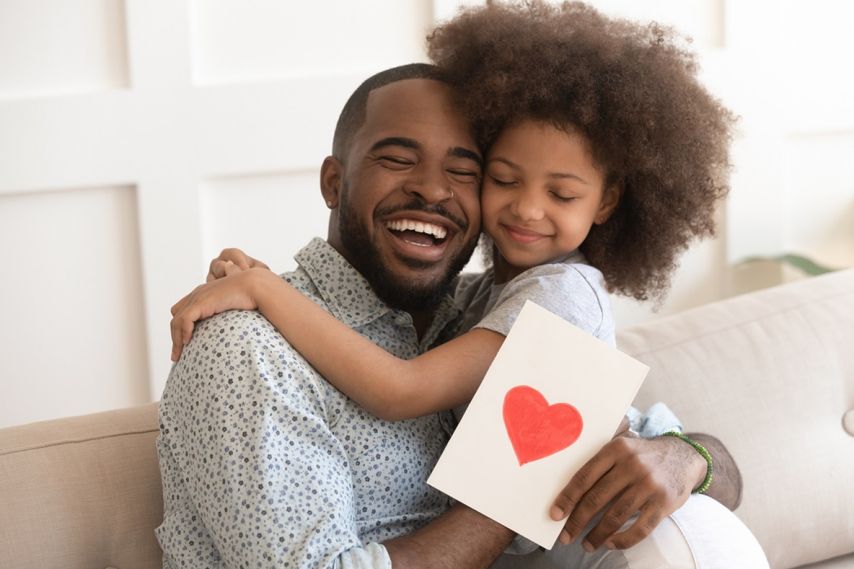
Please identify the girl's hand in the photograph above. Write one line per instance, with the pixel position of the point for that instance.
(231, 261)
(230, 292)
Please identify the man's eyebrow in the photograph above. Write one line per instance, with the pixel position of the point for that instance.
(555, 175)
(395, 141)
(461, 152)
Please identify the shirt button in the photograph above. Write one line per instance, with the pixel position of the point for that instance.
(403, 320)
(848, 422)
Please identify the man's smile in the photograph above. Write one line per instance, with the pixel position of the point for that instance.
(436, 232)
(420, 235)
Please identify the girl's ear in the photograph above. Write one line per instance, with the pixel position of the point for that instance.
(331, 174)
(610, 200)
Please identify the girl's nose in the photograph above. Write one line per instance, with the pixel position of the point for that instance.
(527, 206)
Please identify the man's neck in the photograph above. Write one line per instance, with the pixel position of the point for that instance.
(422, 320)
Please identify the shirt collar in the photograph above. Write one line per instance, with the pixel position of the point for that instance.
(347, 293)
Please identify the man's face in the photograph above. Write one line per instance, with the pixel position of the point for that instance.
(408, 213)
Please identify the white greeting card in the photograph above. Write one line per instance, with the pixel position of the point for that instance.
(553, 396)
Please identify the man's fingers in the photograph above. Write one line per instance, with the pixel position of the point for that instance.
(594, 501)
(620, 511)
(650, 516)
(586, 477)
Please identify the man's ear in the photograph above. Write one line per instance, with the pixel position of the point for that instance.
(331, 176)
(610, 200)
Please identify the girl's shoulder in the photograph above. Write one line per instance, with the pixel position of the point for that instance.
(571, 274)
(569, 288)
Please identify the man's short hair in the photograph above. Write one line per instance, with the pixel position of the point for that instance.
(353, 114)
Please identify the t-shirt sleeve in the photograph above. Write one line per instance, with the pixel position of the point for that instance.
(562, 289)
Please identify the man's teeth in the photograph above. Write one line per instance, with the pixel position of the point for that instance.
(436, 231)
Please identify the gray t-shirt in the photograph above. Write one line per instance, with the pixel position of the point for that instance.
(569, 288)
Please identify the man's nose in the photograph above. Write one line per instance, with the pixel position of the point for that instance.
(527, 206)
(432, 186)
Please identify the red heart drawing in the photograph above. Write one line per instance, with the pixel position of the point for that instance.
(537, 429)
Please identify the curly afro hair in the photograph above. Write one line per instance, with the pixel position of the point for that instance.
(632, 91)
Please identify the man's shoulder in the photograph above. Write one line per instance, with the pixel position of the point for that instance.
(238, 348)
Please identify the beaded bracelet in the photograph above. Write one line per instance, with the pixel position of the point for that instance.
(707, 481)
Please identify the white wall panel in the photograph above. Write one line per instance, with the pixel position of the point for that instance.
(73, 331)
(53, 47)
(269, 216)
(820, 199)
(267, 38)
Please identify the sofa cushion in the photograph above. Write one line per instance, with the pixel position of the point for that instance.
(81, 492)
(772, 375)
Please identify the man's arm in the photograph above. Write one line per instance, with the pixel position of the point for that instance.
(727, 484)
(458, 539)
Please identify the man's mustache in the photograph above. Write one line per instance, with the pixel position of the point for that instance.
(418, 205)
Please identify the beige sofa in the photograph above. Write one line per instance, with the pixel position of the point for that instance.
(770, 373)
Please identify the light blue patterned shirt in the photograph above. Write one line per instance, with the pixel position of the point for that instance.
(266, 464)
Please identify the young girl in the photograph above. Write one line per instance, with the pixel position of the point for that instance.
(605, 157)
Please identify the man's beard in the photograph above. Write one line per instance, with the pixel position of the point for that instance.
(390, 288)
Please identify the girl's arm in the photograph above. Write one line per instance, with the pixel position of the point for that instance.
(389, 387)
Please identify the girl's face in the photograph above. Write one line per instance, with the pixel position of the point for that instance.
(541, 194)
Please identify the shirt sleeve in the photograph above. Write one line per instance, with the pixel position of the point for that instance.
(561, 289)
(657, 420)
(252, 472)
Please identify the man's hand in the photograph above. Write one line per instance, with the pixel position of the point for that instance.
(648, 477)
(234, 292)
(231, 261)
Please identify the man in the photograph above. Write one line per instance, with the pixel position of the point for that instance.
(264, 463)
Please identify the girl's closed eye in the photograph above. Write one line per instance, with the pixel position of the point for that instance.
(502, 181)
(562, 197)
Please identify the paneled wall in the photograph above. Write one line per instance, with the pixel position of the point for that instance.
(139, 137)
